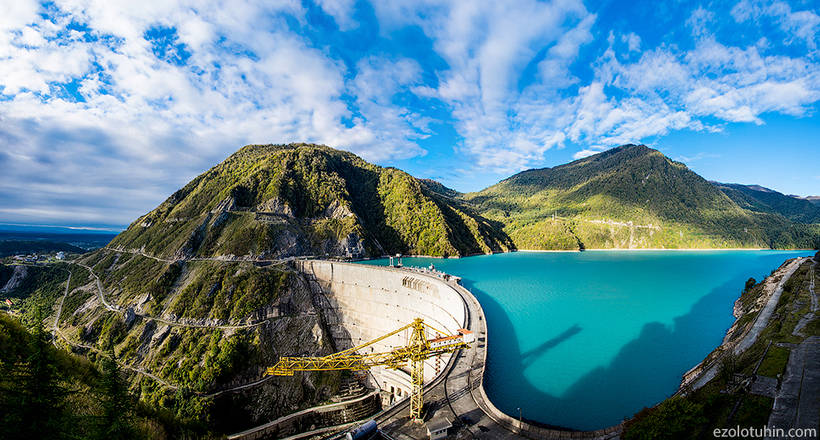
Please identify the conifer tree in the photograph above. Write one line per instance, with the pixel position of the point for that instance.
(115, 422)
(41, 410)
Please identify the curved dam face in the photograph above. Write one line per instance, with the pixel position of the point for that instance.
(368, 303)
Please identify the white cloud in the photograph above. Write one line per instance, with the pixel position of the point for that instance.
(341, 11)
(633, 41)
(696, 157)
(486, 46)
(699, 21)
(98, 107)
(668, 89)
(584, 153)
(800, 25)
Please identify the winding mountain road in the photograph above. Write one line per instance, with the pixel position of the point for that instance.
(55, 328)
(217, 259)
(113, 308)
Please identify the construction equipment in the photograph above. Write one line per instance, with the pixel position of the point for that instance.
(418, 348)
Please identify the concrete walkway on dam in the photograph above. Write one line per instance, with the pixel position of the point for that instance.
(458, 395)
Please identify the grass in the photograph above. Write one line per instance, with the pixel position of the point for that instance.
(775, 362)
(754, 411)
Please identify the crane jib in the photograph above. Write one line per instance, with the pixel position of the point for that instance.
(418, 348)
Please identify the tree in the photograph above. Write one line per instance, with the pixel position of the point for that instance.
(114, 422)
(41, 400)
(749, 284)
(728, 367)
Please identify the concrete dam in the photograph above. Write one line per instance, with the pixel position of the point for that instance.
(368, 302)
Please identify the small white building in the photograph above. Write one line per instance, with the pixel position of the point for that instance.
(437, 427)
(60, 255)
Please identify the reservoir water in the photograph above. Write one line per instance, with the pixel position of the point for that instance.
(583, 340)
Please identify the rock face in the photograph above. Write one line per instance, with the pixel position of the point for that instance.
(273, 201)
(275, 206)
(16, 278)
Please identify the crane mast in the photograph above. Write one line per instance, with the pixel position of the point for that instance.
(418, 348)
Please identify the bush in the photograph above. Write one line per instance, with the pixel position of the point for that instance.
(728, 367)
(749, 284)
(675, 418)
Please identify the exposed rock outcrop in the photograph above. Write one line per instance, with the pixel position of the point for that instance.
(16, 278)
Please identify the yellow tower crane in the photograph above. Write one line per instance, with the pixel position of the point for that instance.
(419, 347)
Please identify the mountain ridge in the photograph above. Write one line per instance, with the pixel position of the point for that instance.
(278, 201)
(597, 201)
(274, 201)
(765, 200)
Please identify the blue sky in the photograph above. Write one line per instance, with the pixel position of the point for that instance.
(106, 108)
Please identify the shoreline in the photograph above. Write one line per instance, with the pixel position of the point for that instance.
(705, 370)
(536, 251)
(662, 249)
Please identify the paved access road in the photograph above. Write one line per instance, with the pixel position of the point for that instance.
(760, 323)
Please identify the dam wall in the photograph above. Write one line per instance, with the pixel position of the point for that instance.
(369, 301)
(365, 303)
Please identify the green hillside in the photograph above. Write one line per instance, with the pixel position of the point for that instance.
(268, 201)
(50, 393)
(758, 199)
(629, 197)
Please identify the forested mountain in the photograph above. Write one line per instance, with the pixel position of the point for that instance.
(630, 197)
(268, 201)
(759, 199)
(273, 201)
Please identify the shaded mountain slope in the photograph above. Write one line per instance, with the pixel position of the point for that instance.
(759, 199)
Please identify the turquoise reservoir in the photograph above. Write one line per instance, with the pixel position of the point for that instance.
(583, 340)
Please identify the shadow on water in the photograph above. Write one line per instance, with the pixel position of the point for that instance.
(645, 371)
(532, 355)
